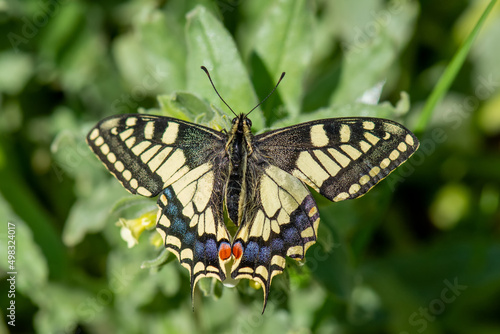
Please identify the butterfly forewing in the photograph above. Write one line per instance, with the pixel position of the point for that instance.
(147, 153)
(341, 158)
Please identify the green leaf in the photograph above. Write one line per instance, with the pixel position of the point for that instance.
(210, 45)
(284, 41)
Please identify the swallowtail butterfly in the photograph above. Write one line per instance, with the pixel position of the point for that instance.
(261, 181)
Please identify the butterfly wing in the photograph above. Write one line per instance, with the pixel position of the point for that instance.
(341, 158)
(183, 161)
(283, 222)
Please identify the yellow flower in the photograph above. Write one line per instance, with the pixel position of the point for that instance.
(131, 229)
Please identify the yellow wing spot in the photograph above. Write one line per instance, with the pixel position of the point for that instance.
(125, 134)
(387, 136)
(130, 142)
(164, 200)
(283, 218)
(94, 134)
(409, 140)
(365, 147)
(99, 141)
(164, 221)
(315, 225)
(318, 135)
(119, 166)
(185, 195)
(307, 233)
(266, 229)
(127, 175)
(141, 147)
(278, 260)
(202, 195)
(295, 250)
(341, 197)
(364, 180)
(170, 134)
(149, 130)
(188, 210)
(105, 149)
(394, 155)
(351, 151)
(402, 147)
(385, 163)
(131, 121)
(209, 222)
(371, 138)
(374, 171)
(168, 168)
(133, 183)
(246, 270)
(161, 231)
(275, 226)
(159, 158)
(330, 166)
(111, 157)
(114, 131)
(269, 194)
(146, 156)
(194, 221)
(190, 177)
(312, 169)
(262, 271)
(171, 240)
(187, 266)
(144, 192)
(201, 225)
(354, 188)
(198, 267)
(187, 254)
(341, 158)
(313, 211)
(256, 230)
(368, 125)
(345, 133)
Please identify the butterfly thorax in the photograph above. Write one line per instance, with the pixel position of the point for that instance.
(238, 149)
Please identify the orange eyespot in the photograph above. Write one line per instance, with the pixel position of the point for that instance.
(224, 251)
(237, 250)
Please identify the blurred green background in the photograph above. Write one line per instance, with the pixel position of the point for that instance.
(419, 254)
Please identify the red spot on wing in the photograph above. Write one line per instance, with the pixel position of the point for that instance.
(237, 250)
(224, 251)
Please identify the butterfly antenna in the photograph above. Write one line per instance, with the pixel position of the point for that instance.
(209, 78)
(281, 78)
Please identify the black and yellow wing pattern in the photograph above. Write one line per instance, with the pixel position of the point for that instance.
(261, 181)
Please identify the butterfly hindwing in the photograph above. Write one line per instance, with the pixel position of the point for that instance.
(284, 222)
(341, 158)
(191, 222)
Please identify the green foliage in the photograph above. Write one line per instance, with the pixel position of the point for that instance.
(418, 254)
